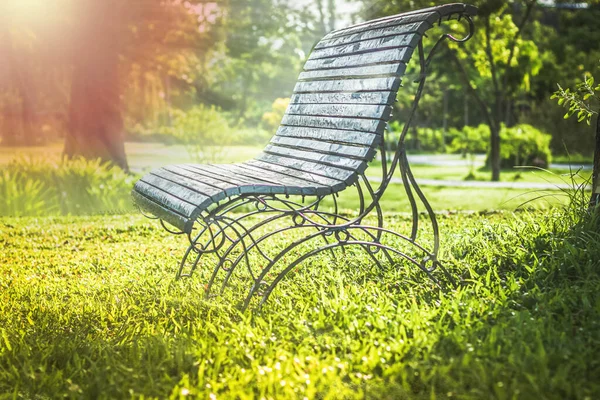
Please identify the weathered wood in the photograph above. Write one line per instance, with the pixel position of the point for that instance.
(342, 110)
(348, 85)
(183, 193)
(161, 194)
(361, 153)
(149, 204)
(328, 171)
(196, 182)
(364, 125)
(245, 185)
(331, 135)
(384, 23)
(205, 179)
(374, 71)
(401, 54)
(383, 97)
(326, 159)
(288, 184)
(367, 46)
(401, 29)
(318, 180)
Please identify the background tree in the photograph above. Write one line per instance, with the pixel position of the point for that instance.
(584, 102)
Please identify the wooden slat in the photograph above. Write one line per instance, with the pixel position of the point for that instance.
(341, 110)
(367, 46)
(357, 60)
(330, 135)
(381, 70)
(152, 207)
(246, 185)
(194, 182)
(383, 97)
(287, 184)
(206, 179)
(382, 23)
(161, 194)
(185, 194)
(315, 179)
(348, 85)
(363, 125)
(309, 167)
(400, 29)
(331, 160)
(363, 153)
(431, 15)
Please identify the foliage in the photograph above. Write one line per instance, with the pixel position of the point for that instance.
(75, 187)
(204, 132)
(417, 138)
(583, 100)
(524, 145)
(523, 322)
(272, 119)
(469, 140)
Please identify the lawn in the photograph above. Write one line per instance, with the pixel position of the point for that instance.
(89, 308)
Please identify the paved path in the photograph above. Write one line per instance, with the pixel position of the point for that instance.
(478, 161)
(487, 184)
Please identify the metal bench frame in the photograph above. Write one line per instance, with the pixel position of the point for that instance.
(225, 233)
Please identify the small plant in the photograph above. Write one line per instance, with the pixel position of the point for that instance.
(31, 187)
(584, 101)
(272, 119)
(204, 132)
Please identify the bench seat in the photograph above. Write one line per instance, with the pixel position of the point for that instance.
(179, 193)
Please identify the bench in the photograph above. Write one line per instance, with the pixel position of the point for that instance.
(254, 222)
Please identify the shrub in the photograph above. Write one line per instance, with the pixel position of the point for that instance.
(425, 139)
(469, 140)
(203, 131)
(75, 187)
(524, 145)
(272, 119)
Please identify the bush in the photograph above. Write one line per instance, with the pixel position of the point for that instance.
(469, 140)
(425, 139)
(272, 119)
(203, 131)
(524, 145)
(77, 187)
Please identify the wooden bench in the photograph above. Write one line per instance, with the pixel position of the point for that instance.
(254, 222)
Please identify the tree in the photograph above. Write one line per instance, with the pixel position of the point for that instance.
(584, 101)
(505, 62)
(95, 121)
(495, 65)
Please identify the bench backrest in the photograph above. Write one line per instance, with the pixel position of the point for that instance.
(344, 95)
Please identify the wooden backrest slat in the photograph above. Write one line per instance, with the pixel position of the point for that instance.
(402, 28)
(348, 85)
(363, 125)
(341, 110)
(401, 54)
(382, 97)
(366, 46)
(330, 135)
(374, 71)
(328, 171)
(356, 152)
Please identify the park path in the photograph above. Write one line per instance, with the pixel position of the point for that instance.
(479, 161)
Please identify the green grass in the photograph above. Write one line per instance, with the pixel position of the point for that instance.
(89, 309)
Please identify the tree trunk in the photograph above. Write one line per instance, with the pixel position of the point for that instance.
(495, 152)
(595, 198)
(95, 122)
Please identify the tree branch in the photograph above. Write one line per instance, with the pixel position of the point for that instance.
(520, 27)
(465, 78)
(490, 56)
